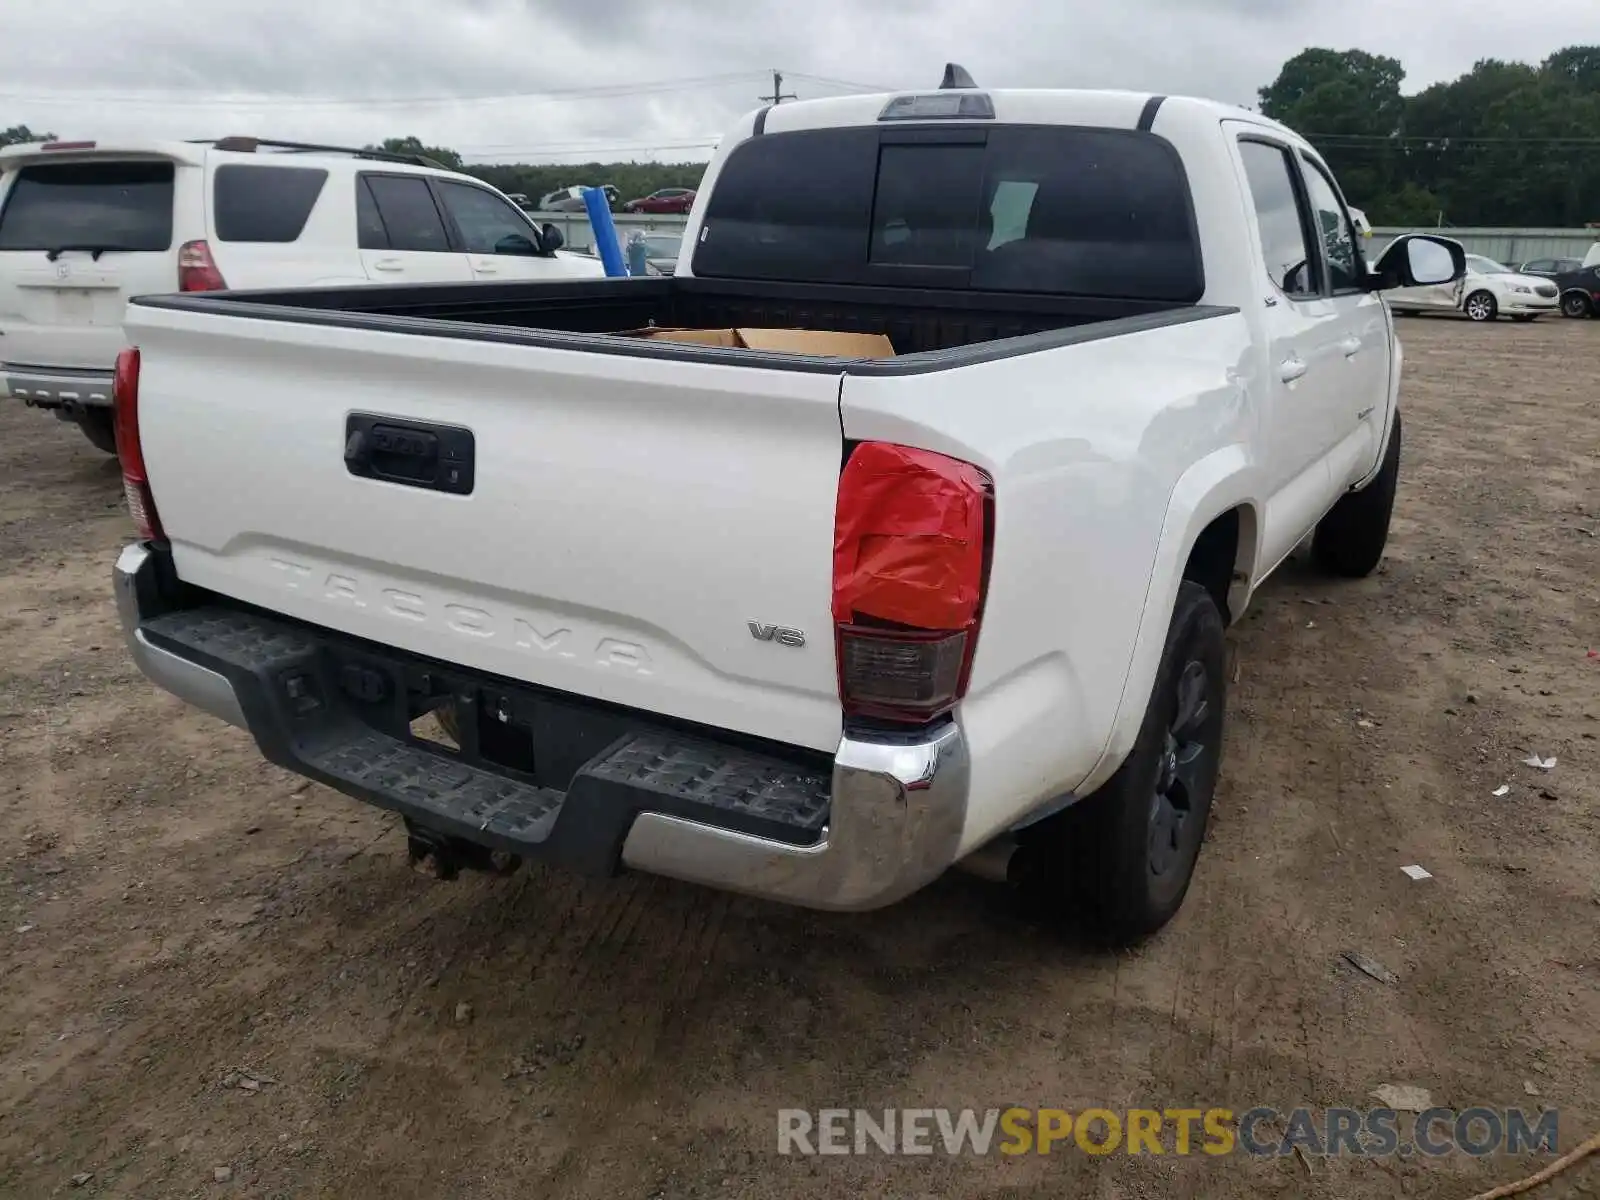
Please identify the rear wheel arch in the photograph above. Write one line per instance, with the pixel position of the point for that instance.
(1215, 495)
(1222, 559)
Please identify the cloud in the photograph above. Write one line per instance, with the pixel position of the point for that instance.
(576, 79)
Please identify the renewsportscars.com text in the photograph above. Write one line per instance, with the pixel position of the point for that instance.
(1262, 1132)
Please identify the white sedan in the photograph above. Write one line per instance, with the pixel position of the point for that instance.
(1488, 290)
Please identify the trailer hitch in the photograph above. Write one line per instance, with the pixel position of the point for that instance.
(441, 856)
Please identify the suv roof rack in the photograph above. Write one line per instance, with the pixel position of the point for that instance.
(249, 145)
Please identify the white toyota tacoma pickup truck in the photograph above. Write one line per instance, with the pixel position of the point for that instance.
(899, 529)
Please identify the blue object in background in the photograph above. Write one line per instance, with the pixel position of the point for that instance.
(638, 255)
(605, 232)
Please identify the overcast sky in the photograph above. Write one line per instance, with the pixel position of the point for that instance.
(661, 78)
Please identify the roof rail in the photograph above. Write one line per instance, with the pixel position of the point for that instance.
(249, 145)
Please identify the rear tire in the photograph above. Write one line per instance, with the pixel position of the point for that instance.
(1128, 852)
(1481, 306)
(1576, 304)
(100, 428)
(1349, 541)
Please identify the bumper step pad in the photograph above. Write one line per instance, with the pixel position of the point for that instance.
(651, 768)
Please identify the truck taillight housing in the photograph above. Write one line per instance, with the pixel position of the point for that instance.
(197, 270)
(125, 411)
(911, 542)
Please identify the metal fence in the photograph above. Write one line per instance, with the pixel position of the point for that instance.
(579, 235)
(1510, 246)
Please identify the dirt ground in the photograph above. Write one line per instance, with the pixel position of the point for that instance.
(178, 915)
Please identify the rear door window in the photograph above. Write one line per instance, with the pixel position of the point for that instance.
(93, 205)
(1281, 219)
(264, 204)
(409, 214)
(1062, 211)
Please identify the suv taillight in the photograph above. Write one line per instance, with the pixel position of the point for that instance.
(135, 482)
(197, 270)
(910, 567)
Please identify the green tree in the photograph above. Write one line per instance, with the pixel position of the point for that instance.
(18, 134)
(1503, 144)
(1349, 102)
(412, 145)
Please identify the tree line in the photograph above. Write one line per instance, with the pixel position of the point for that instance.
(1505, 143)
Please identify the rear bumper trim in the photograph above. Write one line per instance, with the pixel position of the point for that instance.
(894, 825)
(58, 387)
(884, 822)
(192, 683)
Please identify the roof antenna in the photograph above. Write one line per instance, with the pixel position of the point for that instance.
(955, 76)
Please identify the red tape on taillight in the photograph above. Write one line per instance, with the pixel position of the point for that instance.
(910, 561)
(130, 451)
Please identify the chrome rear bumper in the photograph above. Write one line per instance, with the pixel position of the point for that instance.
(894, 819)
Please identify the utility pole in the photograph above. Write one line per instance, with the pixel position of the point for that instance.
(778, 94)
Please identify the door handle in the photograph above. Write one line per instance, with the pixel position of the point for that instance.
(1351, 346)
(1291, 368)
(388, 264)
(485, 266)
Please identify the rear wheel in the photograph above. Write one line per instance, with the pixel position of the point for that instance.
(98, 426)
(1349, 541)
(1481, 306)
(1576, 304)
(1129, 851)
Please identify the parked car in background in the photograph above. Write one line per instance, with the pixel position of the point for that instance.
(661, 252)
(86, 225)
(520, 199)
(667, 200)
(1550, 267)
(1579, 290)
(1489, 290)
(570, 199)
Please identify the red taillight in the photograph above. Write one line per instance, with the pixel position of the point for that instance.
(910, 565)
(197, 270)
(135, 482)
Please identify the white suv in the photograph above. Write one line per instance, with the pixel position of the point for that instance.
(86, 225)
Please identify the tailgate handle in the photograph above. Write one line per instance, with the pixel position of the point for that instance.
(411, 453)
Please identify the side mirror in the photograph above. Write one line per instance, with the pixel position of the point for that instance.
(552, 237)
(515, 243)
(1419, 260)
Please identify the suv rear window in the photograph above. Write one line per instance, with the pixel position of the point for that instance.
(264, 204)
(1045, 209)
(104, 205)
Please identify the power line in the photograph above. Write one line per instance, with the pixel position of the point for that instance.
(1445, 140)
(847, 84)
(602, 92)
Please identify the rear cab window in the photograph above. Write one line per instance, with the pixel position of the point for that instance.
(258, 203)
(1041, 209)
(101, 205)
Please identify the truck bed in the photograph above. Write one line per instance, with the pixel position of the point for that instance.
(930, 328)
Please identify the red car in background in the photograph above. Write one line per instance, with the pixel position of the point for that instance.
(667, 200)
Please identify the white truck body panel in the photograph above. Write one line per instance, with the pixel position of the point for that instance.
(602, 480)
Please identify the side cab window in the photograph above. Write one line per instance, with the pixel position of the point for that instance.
(1283, 219)
(1336, 232)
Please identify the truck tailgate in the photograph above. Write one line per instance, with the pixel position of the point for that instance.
(633, 525)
